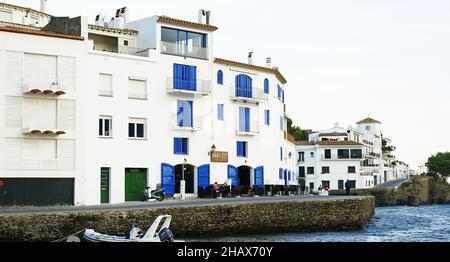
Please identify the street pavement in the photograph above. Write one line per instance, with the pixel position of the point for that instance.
(167, 204)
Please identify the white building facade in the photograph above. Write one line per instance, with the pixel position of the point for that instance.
(115, 109)
(360, 155)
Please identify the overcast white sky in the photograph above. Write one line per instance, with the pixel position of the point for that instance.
(344, 59)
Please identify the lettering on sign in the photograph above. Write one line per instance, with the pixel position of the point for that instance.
(219, 157)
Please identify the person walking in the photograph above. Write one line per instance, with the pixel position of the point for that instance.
(216, 189)
(348, 187)
(320, 189)
(325, 190)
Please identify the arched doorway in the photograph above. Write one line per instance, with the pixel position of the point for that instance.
(187, 172)
(245, 175)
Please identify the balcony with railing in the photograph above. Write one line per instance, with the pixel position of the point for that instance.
(253, 95)
(42, 85)
(48, 126)
(182, 49)
(201, 87)
(180, 123)
(247, 129)
(373, 155)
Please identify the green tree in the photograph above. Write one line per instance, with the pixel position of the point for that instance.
(296, 131)
(439, 164)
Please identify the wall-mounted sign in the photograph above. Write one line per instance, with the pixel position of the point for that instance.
(219, 157)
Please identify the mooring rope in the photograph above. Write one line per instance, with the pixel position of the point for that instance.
(65, 238)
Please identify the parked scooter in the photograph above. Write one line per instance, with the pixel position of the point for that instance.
(150, 195)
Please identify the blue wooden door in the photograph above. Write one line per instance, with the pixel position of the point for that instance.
(285, 177)
(168, 179)
(259, 179)
(233, 175)
(204, 176)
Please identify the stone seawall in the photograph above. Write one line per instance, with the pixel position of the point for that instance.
(217, 220)
(383, 196)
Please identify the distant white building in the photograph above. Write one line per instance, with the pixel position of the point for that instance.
(95, 113)
(360, 155)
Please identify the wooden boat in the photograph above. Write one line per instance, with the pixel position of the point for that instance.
(136, 235)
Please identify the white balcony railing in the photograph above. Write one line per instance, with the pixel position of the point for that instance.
(255, 95)
(194, 124)
(247, 130)
(184, 50)
(202, 87)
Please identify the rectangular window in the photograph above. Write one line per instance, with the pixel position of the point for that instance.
(267, 117)
(184, 77)
(137, 128)
(302, 172)
(181, 146)
(343, 154)
(281, 153)
(341, 184)
(310, 170)
(185, 116)
(244, 119)
(105, 126)
(280, 173)
(351, 170)
(325, 170)
(137, 88)
(220, 113)
(327, 153)
(325, 183)
(242, 149)
(356, 153)
(105, 85)
(180, 42)
(301, 156)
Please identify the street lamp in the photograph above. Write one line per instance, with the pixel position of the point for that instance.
(213, 149)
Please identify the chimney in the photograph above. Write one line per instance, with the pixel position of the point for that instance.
(208, 17)
(269, 62)
(201, 16)
(43, 6)
(250, 58)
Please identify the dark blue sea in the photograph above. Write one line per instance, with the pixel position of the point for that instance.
(390, 224)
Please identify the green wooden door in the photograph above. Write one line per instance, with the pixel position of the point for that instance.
(104, 185)
(135, 183)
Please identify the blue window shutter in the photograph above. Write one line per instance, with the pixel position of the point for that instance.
(266, 86)
(177, 146)
(220, 113)
(267, 117)
(177, 76)
(247, 119)
(180, 113)
(168, 179)
(281, 123)
(188, 117)
(220, 77)
(193, 78)
(280, 173)
(244, 86)
(240, 149)
(279, 92)
(282, 93)
(233, 175)
(281, 153)
(242, 119)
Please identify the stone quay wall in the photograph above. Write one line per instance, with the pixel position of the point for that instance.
(199, 221)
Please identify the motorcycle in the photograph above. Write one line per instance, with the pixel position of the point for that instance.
(149, 194)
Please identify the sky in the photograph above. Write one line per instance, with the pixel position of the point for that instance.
(344, 60)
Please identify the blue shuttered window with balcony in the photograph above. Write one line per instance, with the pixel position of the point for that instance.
(244, 119)
(244, 86)
(185, 117)
(184, 77)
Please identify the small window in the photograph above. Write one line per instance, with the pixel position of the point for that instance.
(137, 88)
(266, 86)
(220, 77)
(242, 149)
(220, 114)
(311, 154)
(325, 170)
(180, 146)
(280, 173)
(105, 85)
(301, 156)
(343, 154)
(327, 153)
(125, 42)
(281, 153)
(351, 170)
(267, 117)
(136, 128)
(105, 126)
(310, 170)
